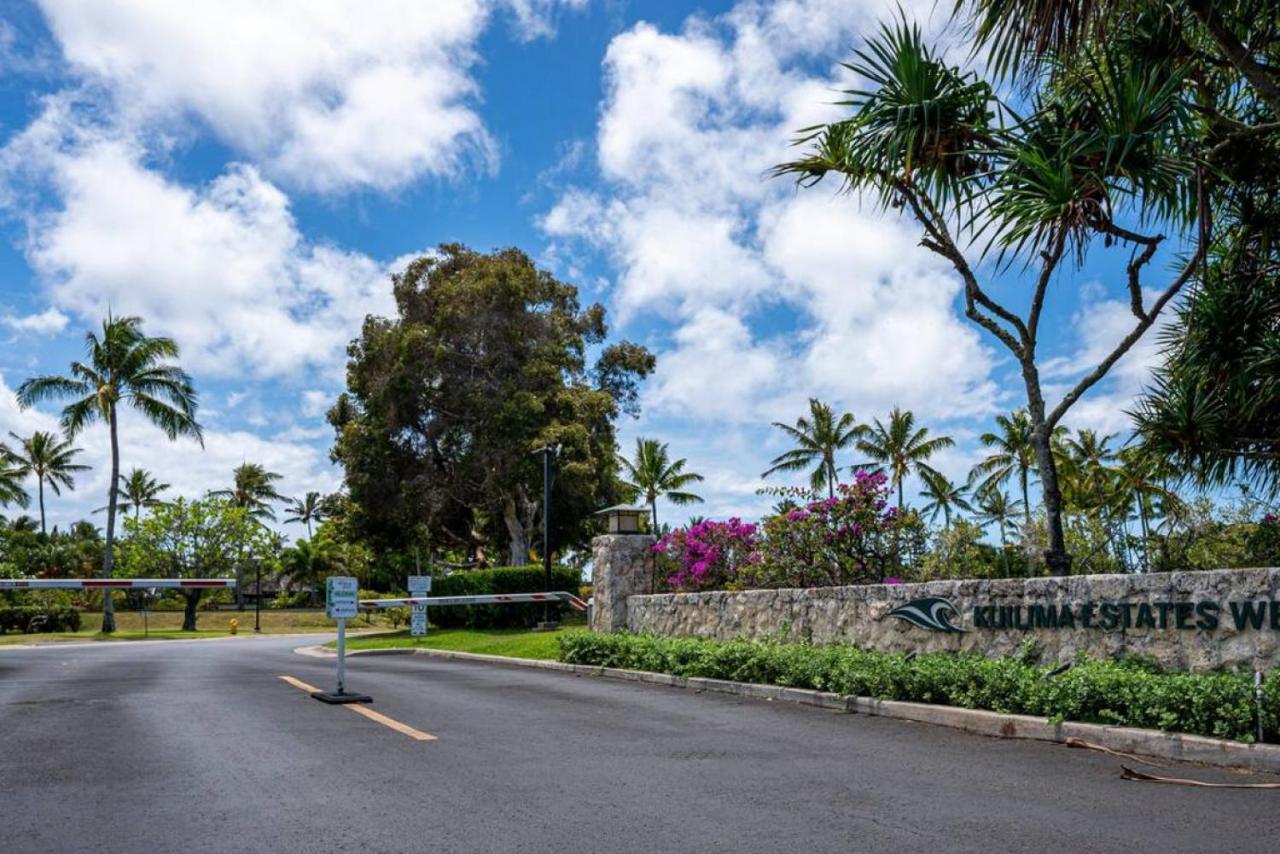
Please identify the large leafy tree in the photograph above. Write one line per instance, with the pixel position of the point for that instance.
(51, 459)
(254, 489)
(205, 538)
(901, 449)
(448, 402)
(818, 437)
(122, 367)
(1102, 152)
(652, 474)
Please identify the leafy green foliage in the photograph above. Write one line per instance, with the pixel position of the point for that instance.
(1121, 693)
(24, 618)
(507, 579)
(818, 437)
(652, 474)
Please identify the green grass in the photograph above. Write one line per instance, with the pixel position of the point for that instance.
(167, 625)
(515, 643)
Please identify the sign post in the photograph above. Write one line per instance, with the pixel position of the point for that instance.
(341, 602)
(419, 586)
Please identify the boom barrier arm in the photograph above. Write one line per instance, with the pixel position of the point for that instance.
(112, 583)
(488, 599)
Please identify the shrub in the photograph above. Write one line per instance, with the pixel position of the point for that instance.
(507, 579)
(397, 617)
(298, 599)
(707, 555)
(1124, 693)
(20, 618)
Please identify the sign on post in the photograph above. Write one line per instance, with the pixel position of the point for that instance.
(419, 585)
(341, 602)
(341, 597)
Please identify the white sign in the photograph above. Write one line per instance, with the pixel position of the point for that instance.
(341, 597)
(419, 585)
(418, 621)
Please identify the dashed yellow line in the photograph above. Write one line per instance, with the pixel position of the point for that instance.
(390, 723)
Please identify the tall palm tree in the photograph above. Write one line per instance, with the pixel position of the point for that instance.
(51, 458)
(900, 448)
(122, 366)
(818, 438)
(138, 490)
(1085, 462)
(1013, 450)
(11, 479)
(653, 475)
(944, 497)
(994, 507)
(307, 509)
(307, 563)
(254, 490)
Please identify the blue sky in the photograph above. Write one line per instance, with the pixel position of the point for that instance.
(246, 175)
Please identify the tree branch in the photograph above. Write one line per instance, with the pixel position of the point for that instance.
(1136, 262)
(1051, 259)
(1240, 56)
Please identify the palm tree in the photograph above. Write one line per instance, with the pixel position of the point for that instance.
(994, 507)
(138, 490)
(307, 509)
(1013, 451)
(51, 459)
(652, 475)
(901, 448)
(307, 563)
(254, 490)
(11, 478)
(1084, 460)
(817, 439)
(944, 497)
(123, 366)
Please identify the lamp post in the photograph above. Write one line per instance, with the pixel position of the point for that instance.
(257, 598)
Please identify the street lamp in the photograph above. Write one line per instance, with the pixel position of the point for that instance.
(257, 599)
(547, 452)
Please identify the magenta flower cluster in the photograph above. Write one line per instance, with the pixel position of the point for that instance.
(708, 555)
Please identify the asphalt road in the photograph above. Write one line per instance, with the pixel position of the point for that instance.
(199, 746)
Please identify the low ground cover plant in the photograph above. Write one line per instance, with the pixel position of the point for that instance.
(1123, 693)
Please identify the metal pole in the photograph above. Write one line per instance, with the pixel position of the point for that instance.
(342, 655)
(257, 599)
(546, 530)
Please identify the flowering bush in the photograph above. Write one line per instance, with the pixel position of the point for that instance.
(855, 537)
(708, 555)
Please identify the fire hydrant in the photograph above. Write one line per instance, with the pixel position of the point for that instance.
(235, 624)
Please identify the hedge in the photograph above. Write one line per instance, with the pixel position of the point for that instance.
(508, 579)
(1123, 693)
(18, 618)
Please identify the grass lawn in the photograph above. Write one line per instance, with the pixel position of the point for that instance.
(166, 625)
(516, 643)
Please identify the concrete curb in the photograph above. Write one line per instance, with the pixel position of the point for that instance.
(1145, 742)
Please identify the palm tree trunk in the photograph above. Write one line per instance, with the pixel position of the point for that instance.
(900, 501)
(1026, 497)
(108, 557)
(831, 478)
(40, 489)
(309, 533)
(653, 503)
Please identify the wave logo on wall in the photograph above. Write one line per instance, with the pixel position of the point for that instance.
(931, 612)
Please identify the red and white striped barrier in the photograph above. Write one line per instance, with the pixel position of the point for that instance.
(488, 599)
(122, 583)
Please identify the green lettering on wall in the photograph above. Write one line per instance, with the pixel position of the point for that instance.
(1066, 620)
(1086, 615)
(1250, 612)
(1182, 614)
(1109, 613)
(1208, 613)
(1145, 619)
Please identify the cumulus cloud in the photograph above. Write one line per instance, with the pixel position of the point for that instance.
(47, 322)
(328, 96)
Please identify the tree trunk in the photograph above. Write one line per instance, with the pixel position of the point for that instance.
(108, 557)
(831, 478)
(40, 490)
(518, 554)
(1055, 557)
(1026, 496)
(189, 613)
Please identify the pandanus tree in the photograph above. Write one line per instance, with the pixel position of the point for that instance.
(1095, 157)
(122, 367)
(306, 510)
(901, 449)
(818, 437)
(51, 459)
(653, 475)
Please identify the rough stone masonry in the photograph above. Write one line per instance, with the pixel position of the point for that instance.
(1184, 620)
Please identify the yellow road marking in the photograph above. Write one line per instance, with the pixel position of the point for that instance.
(390, 723)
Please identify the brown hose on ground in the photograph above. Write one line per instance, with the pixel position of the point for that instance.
(1127, 773)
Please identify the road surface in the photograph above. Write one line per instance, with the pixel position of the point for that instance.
(200, 746)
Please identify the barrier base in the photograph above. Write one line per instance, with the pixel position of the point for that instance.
(336, 699)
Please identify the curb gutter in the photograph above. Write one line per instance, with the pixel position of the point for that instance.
(1154, 743)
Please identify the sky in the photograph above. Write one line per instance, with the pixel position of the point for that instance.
(245, 176)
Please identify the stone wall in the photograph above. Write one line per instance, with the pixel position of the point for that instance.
(621, 567)
(1184, 620)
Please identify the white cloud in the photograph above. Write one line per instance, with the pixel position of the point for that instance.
(47, 322)
(315, 402)
(328, 95)
(221, 267)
